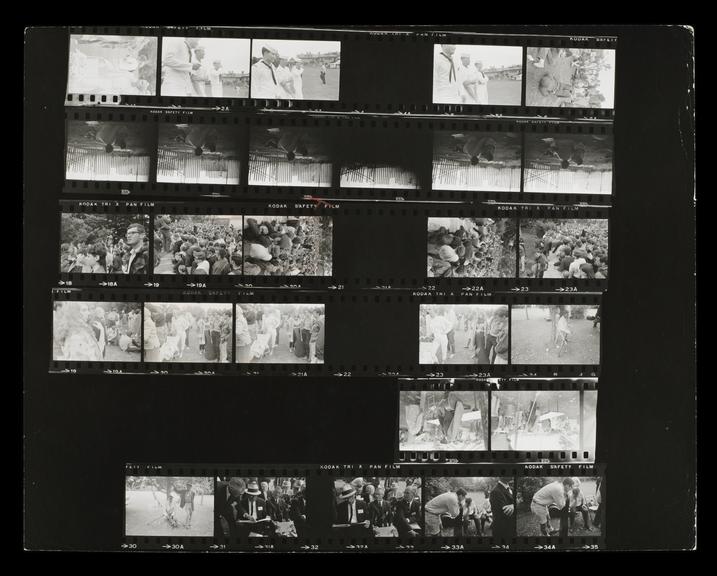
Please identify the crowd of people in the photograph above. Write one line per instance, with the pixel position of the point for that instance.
(112, 254)
(280, 333)
(380, 508)
(261, 507)
(197, 245)
(96, 331)
(567, 249)
(287, 246)
(457, 510)
(569, 77)
(485, 330)
(470, 247)
(563, 499)
(187, 333)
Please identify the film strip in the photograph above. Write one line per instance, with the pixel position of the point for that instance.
(326, 333)
(305, 245)
(273, 156)
(371, 508)
(497, 420)
(343, 70)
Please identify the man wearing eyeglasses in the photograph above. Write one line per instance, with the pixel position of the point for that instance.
(137, 262)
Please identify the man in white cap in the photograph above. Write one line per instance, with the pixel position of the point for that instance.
(215, 79)
(285, 80)
(297, 75)
(481, 84)
(467, 80)
(264, 81)
(445, 80)
(177, 66)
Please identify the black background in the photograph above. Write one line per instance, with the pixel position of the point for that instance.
(80, 430)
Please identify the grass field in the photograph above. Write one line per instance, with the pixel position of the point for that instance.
(112, 354)
(314, 89)
(531, 342)
(504, 92)
(141, 511)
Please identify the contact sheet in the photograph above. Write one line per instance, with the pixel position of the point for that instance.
(369, 507)
(300, 210)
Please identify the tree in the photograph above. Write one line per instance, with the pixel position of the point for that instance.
(529, 485)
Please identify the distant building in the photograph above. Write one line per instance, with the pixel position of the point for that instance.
(505, 72)
(309, 59)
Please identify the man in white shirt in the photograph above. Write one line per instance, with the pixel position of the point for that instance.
(285, 80)
(481, 84)
(264, 83)
(440, 328)
(467, 80)
(445, 81)
(200, 76)
(297, 73)
(449, 504)
(177, 65)
(215, 78)
(452, 321)
(552, 496)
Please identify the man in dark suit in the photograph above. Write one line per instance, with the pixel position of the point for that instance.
(502, 504)
(227, 504)
(351, 514)
(407, 512)
(297, 510)
(379, 511)
(138, 255)
(253, 513)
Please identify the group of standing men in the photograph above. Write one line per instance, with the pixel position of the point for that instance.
(184, 72)
(458, 82)
(277, 77)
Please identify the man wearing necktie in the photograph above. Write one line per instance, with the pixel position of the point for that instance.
(351, 514)
(502, 504)
(264, 83)
(446, 89)
(254, 510)
(407, 513)
(177, 66)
